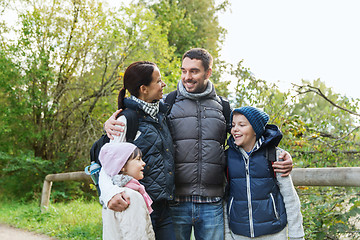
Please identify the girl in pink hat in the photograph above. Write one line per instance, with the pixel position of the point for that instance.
(123, 163)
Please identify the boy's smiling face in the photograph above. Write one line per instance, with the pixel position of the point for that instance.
(243, 132)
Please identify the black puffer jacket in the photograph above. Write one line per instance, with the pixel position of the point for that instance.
(198, 129)
(155, 142)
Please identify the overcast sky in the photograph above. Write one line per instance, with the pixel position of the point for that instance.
(286, 41)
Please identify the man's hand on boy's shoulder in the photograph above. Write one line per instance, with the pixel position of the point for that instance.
(284, 166)
(119, 202)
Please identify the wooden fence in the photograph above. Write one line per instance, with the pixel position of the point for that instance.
(58, 177)
(339, 176)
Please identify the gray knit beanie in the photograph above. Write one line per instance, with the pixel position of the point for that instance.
(257, 118)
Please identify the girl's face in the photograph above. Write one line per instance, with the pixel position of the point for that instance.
(243, 132)
(134, 168)
(154, 91)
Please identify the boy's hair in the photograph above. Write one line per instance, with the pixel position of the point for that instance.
(257, 118)
(200, 54)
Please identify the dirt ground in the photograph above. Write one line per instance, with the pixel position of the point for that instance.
(11, 233)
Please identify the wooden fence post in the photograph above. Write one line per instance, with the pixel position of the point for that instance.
(71, 176)
(45, 195)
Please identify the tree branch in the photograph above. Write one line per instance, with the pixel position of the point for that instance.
(336, 138)
(332, 150)
(321, 94)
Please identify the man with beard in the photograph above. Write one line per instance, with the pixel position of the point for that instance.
(198, 128)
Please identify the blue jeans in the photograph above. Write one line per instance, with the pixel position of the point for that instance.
(162, 221)
(206, 218)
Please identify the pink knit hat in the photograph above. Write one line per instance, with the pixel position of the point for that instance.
(113, 156)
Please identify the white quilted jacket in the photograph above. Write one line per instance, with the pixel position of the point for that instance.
(134, 223)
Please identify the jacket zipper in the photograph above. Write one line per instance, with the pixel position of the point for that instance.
(249, 197)
(230, 206)
(274, 206)
(199, 146)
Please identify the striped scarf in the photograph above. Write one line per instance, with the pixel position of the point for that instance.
(149, 108)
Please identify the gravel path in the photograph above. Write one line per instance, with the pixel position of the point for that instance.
(11, 233)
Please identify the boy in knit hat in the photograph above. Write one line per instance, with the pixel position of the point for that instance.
(123, 163)
(260, 205)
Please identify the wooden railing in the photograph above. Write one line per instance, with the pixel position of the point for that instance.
(339, 176)
(49, 179)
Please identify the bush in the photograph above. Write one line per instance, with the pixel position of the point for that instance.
(22, 176)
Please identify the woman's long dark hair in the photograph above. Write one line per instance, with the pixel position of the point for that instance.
(137, 74)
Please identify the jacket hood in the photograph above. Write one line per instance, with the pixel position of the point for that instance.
(271, 136)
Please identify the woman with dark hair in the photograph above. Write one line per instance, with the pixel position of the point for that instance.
(143, 81)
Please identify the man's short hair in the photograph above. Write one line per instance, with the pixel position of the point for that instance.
(200, 54)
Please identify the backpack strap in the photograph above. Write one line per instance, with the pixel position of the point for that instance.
(132, 120)
(226, 112)
(132, 123)
(271, 157)
(95, 149)
(271, 153)
(170, 98)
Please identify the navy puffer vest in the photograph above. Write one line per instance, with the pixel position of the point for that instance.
(255, 205)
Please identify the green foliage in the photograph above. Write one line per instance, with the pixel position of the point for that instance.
(60, 78)
(176, 24)
(22, 175)
(313, 108)
(190, 24)
(8, 73)
(63, 72)
(203, 14)
(330, 213)
(73, 220)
